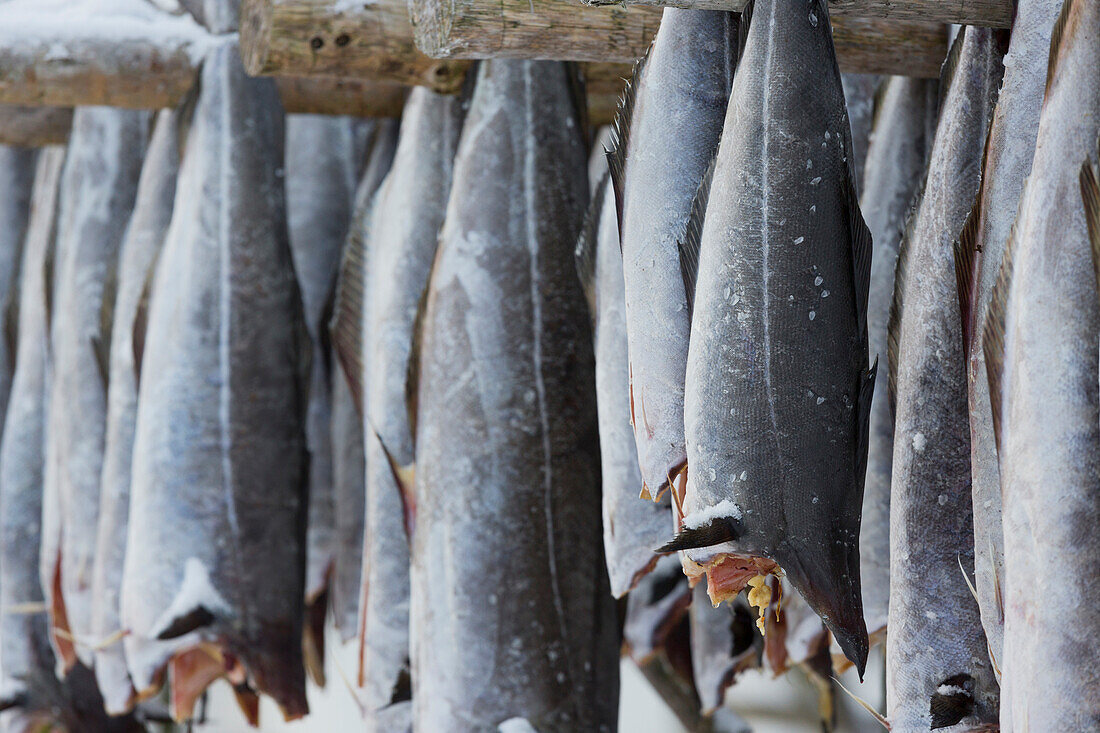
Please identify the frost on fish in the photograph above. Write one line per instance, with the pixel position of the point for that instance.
(321, 168)
(778, 388)
(666, 136)
(24, 636)
(220, 445)
(510, 610)
(408, 215)
(139, 250)
(1009, 150)
(17, 168)
(98, 186)
(1040, 342)
(904, 122)
(632, 527)
(934, 628)
(860, 91)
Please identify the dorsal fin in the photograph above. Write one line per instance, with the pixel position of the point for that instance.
(620, 136)
(862, 249)
(1057, 35)
(966, 260)
(993, 335)
(584, 255)
(901, 271)
(346, 326)
(692, 237)
(949, 67)
(866, 396)
(1090, 196)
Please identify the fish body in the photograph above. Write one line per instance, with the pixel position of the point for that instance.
(1009, 152)
(24, 637)
(137, 258)
(777, 383)
(859, 96)
(348, 480)
(17, 170)
(510, 610)
(678, 100)
(1049, 434)
(724, 643)
(98, 187)
(220, 444)
(935, 644)
(905, 121)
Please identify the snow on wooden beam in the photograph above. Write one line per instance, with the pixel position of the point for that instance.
(33, 127)
(347, 38)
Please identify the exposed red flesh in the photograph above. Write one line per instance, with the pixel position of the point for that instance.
(190, 672)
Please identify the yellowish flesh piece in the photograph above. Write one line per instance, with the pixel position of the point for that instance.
(760, 596)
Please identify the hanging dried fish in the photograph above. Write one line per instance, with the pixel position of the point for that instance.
(860, 91)
(17, 169)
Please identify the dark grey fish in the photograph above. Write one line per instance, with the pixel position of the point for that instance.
(144, 237)
(778, 388)
(17, 169)
(667, 133)
(1040, 343)
(859, 96)
(98, 186)
(654, 608)
(24, 635)
(220, 444)
(938, 670)
(724, 643)
(511, 614)
(321, 167)
(1009, 150)
(408, 214)
(905, 120)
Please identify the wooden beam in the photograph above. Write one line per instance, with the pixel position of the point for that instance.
(321, 95)
(992, 13)
(346, 38)
(33, 127)
(878, 46)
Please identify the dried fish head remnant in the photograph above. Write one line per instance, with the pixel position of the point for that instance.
(510, 608)
(665, 137)
(778, 385)
(220, 445)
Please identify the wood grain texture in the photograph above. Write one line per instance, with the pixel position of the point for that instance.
(369, 39)
(33, 127)
(322, 95)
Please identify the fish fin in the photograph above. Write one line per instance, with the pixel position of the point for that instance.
(141, 319)
(714, 532)
(249, 703)
(862, 247)
(405, 478)
(692, 237)
(966, 260)
(11, 323)
(313, 632)
(402, 686)
(743, 29)
(101, 340)
(620, 137)
(197, 618)
(993, 334)
(584, 256)
(901, 272)
(1057, 35)
(952, 701)
(949, 67)
(866, 396)
(346, 326)
(412, 366)
(1090, 196)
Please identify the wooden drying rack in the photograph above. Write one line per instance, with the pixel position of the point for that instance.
(358, 57)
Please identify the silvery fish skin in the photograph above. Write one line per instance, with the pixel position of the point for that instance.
(1049, 441)
(144, 237)
(24, 637)
(632, 527)
(320, 190)
(935, 642)
(679, 104)
(408, 215)
(17, 169)
(507, 459)
(905, 121)
(777, 384)
(859, 97)
(1009, 152)
(98, 187)
(220, 444)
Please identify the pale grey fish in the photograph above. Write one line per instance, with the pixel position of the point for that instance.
(666, 135)
(597, 157)
(144, 237)
(24, 637)
(511, 612)
(724, 643)
(938, 669)
(321, 168)
(778, 388)
(1009, 150)
(1045, 313)
(349, 469)
(220, 444)
(408, 215)
(859, 96)
(17, 170)
(98, 186)
(653, 609)
(905, 120)
(218, 16)
(632, 527)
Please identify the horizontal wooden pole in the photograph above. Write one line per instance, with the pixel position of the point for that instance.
(361, 38)
(321, 95)
(33, 127)
(991, 13)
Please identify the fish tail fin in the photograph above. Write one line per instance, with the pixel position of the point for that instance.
(313, 632)
(1090, 196)
(715, 532)
(993, 334)
(952, 701)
